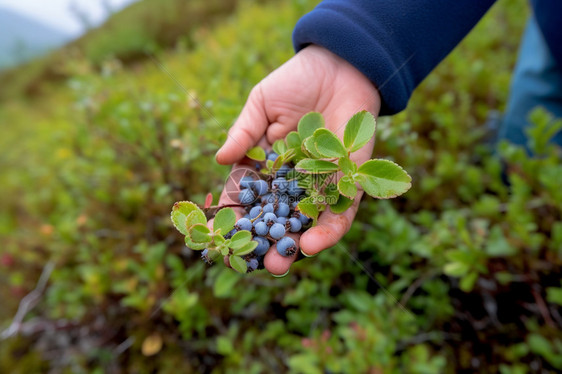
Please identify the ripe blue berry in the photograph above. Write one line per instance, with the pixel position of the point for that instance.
(246, 181)
(280, 184)
(244, 224)
(283, 198)
(268, 198)
(283, 210)
(277, 231)
(296, 224)
(230, 234)
(263, 245)
(246, 196)
(260, 187)
(269, 218)
(294, 189)
(255, 211)
(268, 208)
(261, 228)
(205, 256)
(304, 219)
(283, 170)
(252, 264)
(286, 246)
(282, 220)
(272, 156)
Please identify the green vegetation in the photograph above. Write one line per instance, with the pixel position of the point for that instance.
(460, 273)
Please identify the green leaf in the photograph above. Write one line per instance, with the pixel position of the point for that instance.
(342, 205)
(497, 245)
(195, 217)
(290, 153)
(308, 207)
(456, 269)
(247, 248)
(347, 187)
(328, 144)
(224, 220)
(309, 123)
(383, 179)
(195, 246)
(467, 282)
(293, 140)
(311, 166)
(256, 153)
(554, 295)
(179, 215)
(309, 146)
(224, 284)
(238, 264)
(331, 193)
(347, 166)
(240, 239)
(279, 147)
(359, 130)
(199, 233)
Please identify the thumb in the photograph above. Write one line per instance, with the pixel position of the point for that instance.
(248, 129)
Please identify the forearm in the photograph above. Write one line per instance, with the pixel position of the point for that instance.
(395, 43)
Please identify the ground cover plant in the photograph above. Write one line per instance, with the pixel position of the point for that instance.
(460, 274)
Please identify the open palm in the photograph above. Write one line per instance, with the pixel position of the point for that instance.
(313, 80)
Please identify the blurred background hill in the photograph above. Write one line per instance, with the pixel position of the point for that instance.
(103, 134)
(23, 38)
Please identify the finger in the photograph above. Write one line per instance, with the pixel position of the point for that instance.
(330, 229)
(279, 265)
(246, 131)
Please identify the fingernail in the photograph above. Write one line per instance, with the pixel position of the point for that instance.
(305, 255)
(280, 276)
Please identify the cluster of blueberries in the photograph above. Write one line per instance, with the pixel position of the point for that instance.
(271, 213)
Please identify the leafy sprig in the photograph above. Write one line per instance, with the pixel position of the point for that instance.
(318, 155)
(190, 220)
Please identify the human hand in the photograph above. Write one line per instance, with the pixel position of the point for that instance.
(315, 79)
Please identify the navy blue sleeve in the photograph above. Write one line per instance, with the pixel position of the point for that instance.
(395, 43)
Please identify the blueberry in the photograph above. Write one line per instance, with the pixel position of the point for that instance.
(268, 208)
(282, 198)
(304, 219)
(255, 211)
(272, 156)
(252, 264)
(286, 246)
(261, 228)
(283, 171)
(280, 184)
(229, 235)
(269, 218)
(294, 189)
(244, 224)
(283, 210)
(260, 187)
(296, 224)
(263, 245)
(277, 231)
(205, 256)
(268, 198)
(246, 181)
(246, 196)
(282, 220)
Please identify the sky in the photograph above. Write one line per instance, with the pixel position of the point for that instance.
(57, 13)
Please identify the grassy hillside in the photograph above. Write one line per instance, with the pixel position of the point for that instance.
(144, 27)
(93, 161)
